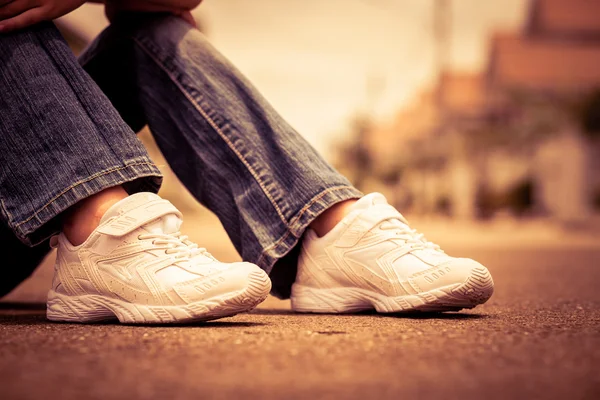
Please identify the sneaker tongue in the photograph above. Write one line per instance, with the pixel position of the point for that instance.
(167, 224)
(369, 200)
(374, 199)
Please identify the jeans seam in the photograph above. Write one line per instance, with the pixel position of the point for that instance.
(298, 216)
(8, 215)
(214, 125)
(78, 183)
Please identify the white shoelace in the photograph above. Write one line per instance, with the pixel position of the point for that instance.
(411, 237)
(177, 244)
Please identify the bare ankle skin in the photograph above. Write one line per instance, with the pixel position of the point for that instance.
(82, 218)
(331, 217)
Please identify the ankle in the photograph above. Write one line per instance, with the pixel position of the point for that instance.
(331, 217)
(84, 217)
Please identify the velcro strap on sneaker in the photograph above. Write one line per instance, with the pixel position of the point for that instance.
(137, 217)
(356, 230)
(387, 211)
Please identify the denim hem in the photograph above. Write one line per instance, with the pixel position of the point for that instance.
(285, 244)
(141, 176)
(280, 260)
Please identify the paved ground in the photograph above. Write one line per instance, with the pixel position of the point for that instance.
(538, 337)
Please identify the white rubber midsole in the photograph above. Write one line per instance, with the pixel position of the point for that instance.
(93, 308)
(477, 289)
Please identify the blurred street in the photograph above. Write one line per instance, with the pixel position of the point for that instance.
(536, 338)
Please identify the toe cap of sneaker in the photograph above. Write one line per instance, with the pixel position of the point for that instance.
(237, 277)
(455, 272)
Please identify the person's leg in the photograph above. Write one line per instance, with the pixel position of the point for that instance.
(79, 221)
(54, 147)
(266, 184)
(227, 145)
(68, 163)
(19, 260)
(61, 140)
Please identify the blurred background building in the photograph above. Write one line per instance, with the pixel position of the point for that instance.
(519, 137)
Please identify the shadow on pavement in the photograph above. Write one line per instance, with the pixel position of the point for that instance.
(208, 324)
(14, 313)
(22, 306)
(433, 315)
(413, 315)
(39, 318)
(273, 311)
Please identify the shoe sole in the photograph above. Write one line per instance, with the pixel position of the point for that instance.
(96, 308)
(475, 290)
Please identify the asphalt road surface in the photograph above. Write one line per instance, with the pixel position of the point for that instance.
(538, 337)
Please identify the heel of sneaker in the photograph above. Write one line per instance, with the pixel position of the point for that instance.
(61, 307)
(328, 301)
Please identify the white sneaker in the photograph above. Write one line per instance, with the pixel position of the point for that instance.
(372, 259)
(137, 267)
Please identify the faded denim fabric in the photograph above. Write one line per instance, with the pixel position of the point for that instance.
(228, 146)
(60, 138)
(60, 141)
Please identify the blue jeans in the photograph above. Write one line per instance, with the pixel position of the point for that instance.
(66, 134)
